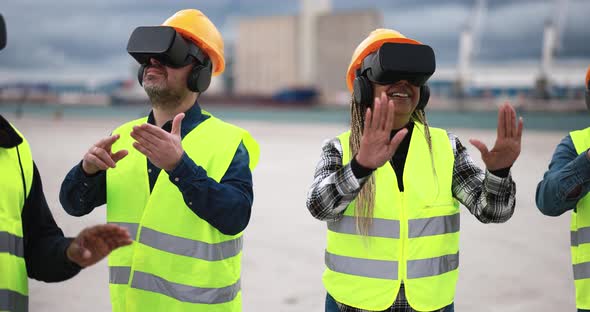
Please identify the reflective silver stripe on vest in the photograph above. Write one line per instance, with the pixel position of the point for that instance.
(582, 270)
(131, 228)
(362, 267)
(13, 301)
(581, 236)
(433, 226)
(379, 227)
(190, 248)
(432, 266)
(12, 244)
(184, 293)
(119, 274)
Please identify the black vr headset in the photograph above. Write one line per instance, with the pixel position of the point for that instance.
(168, 47)
(2, 33)
(394, 62)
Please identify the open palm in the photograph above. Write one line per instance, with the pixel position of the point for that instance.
(377, 146)
(507, 146)
(96, 242)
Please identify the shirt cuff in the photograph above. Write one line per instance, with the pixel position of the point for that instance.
(497, 185)
(502, 173)
(359, 170)
(347, 183)
(88, 180)
(185, 169)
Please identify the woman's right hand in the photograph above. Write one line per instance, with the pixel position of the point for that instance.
(376, 146)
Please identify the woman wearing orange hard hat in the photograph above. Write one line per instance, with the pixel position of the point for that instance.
(390, 187)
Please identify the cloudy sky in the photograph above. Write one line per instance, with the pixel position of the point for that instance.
(86, 39)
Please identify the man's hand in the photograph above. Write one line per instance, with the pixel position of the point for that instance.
(95, 243)
(507, 146)
(100, 157)
(377, 147)
(163, 149)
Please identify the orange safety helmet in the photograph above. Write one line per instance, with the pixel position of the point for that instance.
(195, 26)
(371, 44)
(588, 79)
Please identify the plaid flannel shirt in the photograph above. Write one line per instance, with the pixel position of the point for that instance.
(489, 198)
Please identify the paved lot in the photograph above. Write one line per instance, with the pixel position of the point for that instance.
(522, 265)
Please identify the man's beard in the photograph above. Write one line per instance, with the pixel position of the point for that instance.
(164, 97)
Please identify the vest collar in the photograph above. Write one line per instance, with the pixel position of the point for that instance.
(9, 138)
(192, 118)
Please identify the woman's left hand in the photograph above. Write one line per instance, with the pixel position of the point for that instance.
(507, 146)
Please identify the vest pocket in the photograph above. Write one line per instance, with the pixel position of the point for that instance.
(435, 210)
(446, 204)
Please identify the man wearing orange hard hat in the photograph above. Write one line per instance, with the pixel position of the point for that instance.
(179, 179)
(565, 187)
(389, 189)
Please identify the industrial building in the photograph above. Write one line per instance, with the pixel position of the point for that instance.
(313, 50)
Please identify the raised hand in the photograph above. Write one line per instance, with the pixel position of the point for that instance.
(100, 157)
(95, 243)
(163, 149)
(377, 147)
(507, 146)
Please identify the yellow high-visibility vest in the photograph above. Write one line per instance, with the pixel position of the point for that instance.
(580, 232)
(414, 236)
(16, 178)
(178, 261)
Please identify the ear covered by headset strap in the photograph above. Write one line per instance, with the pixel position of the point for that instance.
(199, 78)
(424, 97)
(363, 91)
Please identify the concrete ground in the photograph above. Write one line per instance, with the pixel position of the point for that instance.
(523, 265)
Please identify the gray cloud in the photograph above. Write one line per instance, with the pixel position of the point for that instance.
(63, 36)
